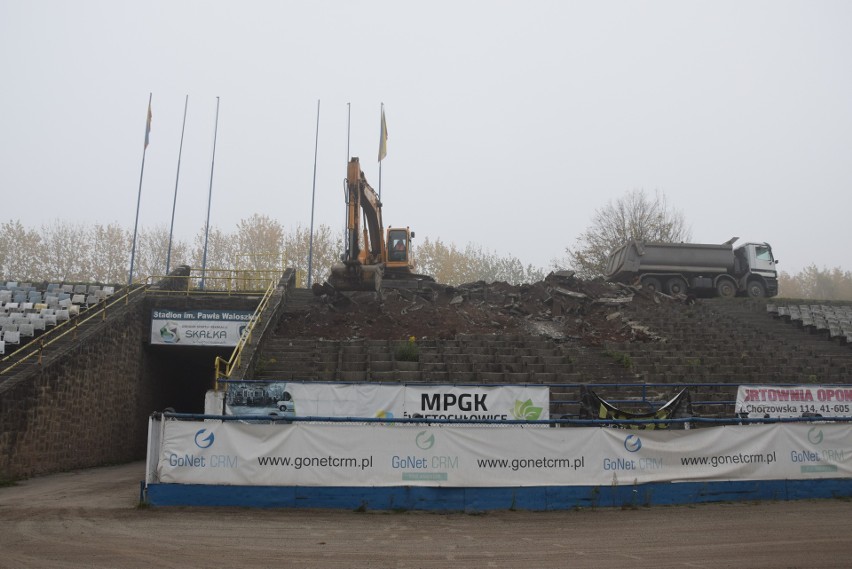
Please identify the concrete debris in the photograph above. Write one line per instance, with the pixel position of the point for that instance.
(411, 308)
(562, 307)
(619, 300)
(570, 293)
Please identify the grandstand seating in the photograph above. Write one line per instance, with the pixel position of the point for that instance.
(712, 346)
(833, 322)
(28, 310)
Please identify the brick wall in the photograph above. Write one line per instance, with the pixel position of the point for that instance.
(86, 406)
(88, 403)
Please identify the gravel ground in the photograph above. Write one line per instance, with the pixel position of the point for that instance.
(90, 519)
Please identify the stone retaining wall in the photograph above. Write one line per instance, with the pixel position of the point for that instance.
(88, 403)
(84, 408)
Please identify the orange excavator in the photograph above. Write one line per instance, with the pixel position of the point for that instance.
(375, 259)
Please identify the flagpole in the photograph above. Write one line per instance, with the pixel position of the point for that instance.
(381, 142)
(313, 197)
(345, 189)
(139, 194)
(177, 178)
(348, 124)
(209, 197)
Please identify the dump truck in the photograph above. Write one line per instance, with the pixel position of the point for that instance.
(696, 269)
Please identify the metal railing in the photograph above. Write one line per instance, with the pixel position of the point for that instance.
(496, 422)
(35, 349)
(236, 356)
(216, 281)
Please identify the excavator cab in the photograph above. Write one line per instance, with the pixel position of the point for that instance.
(399, 246)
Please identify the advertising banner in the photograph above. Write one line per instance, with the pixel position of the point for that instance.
(198, 327)
(380, 454)
(314, 399)
(757, 401)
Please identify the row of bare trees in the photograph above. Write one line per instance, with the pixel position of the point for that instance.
(817, 284)
(68, 252)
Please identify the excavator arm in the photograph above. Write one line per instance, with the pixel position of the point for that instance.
(362, 266)
(362, 198)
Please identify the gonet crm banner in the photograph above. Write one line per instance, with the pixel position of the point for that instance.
(378, 454)
(198, 327)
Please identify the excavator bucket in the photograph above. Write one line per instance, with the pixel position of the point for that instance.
(356, 277)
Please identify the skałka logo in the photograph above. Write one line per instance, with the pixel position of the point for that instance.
(202, 441)
(425, 440)
(170, 332)
(526, 411)
(632, 443)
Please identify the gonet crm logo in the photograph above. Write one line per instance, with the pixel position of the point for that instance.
(632, 443)
(204, 442)
(815, 435)
(425, 440)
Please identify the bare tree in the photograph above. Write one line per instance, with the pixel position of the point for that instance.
(107, 258)
(817, 284)
(326, 252)
(153, 249)
(221, 258)
(260, 241)
(63, 246)
(22, 257)
(633, 216)
(449, 265)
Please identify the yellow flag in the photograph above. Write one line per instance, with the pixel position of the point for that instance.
(383, 138)
(148, 125)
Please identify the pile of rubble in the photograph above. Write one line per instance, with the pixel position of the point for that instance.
(561, 307)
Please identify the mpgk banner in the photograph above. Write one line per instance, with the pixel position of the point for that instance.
(314, 399)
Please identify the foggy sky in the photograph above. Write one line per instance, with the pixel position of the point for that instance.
(509, 122)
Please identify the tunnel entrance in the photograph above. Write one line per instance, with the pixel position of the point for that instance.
(182, 375)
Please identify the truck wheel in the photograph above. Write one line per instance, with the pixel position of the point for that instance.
(651, 284)
(726, 289)
(675, 286)
(756, 289)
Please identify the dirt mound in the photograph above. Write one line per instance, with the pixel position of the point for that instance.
(561, 307)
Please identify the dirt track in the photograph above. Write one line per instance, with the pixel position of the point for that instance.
(89, 519)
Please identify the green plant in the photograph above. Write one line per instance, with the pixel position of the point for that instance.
(408, 351)
(260, 366)
(622, 358)
(596, 492)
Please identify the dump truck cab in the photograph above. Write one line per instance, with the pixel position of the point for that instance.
(755, 267)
